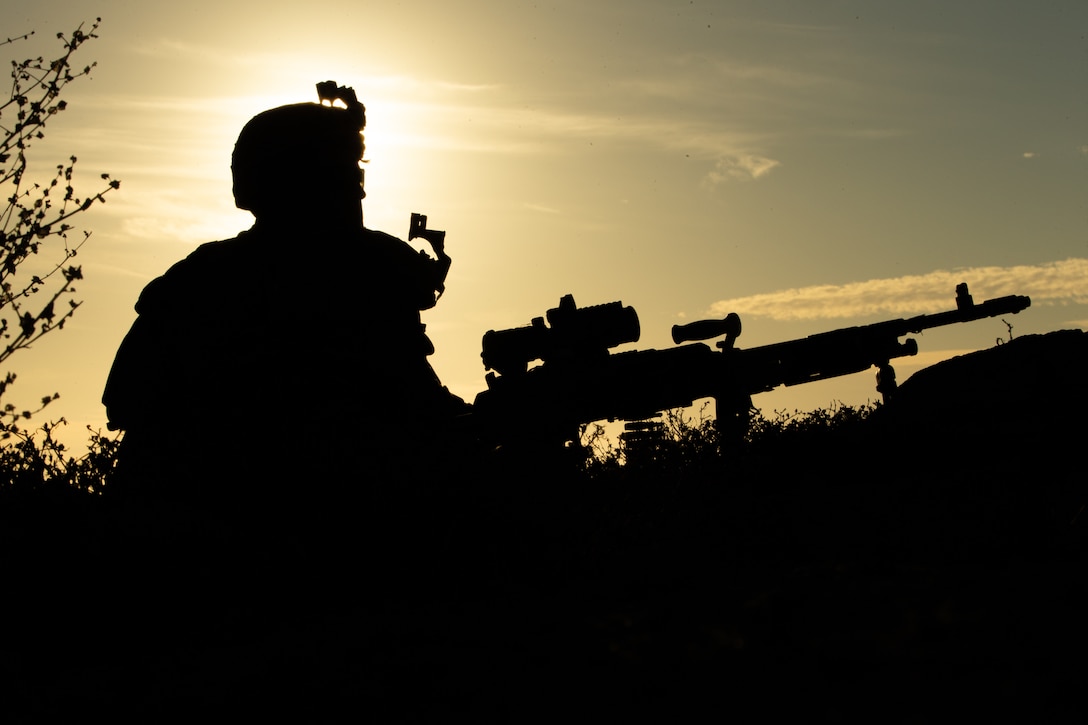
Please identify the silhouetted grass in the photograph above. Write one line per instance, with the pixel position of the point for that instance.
(842, 562)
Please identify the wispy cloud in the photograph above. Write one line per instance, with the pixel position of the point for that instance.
(1054, 283)
(540, 208)
(710, 79)
(455, 114)
(471, 126)
(174, 51)
(469, 87)
(741, 166)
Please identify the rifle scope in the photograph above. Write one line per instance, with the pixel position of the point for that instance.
(575, 332)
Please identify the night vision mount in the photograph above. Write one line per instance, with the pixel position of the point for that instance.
(329, 92)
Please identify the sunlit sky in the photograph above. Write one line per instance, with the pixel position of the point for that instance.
(809, 165)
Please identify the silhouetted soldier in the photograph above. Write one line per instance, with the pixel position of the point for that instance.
(289, 361)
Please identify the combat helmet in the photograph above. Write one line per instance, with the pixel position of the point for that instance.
(302, 146)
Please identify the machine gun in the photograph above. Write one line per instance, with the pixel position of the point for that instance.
(579, 381)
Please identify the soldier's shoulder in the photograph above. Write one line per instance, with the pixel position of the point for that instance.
(222, 250)
(205, 267)
(391, 252)
(384, 240)
(212, 256)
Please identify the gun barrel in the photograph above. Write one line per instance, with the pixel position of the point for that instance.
(1009, 305)
(852, 349)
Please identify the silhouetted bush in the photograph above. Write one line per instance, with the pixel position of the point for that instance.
(36, 295)
(690, 442)
(33, 459)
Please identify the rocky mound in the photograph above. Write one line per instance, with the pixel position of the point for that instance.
(1032, 389)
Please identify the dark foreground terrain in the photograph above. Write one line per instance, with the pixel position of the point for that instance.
(928, 566)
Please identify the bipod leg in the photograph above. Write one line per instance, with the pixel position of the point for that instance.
(885, 381)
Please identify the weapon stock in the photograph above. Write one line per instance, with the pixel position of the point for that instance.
(580, 382)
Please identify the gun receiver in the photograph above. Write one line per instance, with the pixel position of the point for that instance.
(579, 381)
